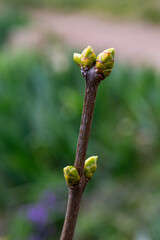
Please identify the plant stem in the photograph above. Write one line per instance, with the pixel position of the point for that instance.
(75, 192)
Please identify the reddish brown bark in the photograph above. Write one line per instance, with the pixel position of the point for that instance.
(75, 193)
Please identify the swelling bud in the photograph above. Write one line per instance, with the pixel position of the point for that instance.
(105, 62)
(71, 175)
(90, 166)
(88, 58)
(77, 58)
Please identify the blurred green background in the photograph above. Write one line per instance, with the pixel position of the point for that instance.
(41, 99)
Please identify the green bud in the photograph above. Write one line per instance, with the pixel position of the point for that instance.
(71, 175)
(105, 62)
(88, 57)
(77, 58)
(90, 166)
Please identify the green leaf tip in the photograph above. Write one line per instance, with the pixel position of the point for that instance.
(90, 166)
(105, 62)
(71, 175)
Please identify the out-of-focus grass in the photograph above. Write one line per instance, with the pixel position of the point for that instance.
(40, 116)
(145, 9)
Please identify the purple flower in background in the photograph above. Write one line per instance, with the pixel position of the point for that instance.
(40, 216)
(40, 212)
(37, 214)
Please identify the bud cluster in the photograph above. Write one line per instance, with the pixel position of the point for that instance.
(72, 176)
(103, 63)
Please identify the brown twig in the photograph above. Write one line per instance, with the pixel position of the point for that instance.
(75, 192)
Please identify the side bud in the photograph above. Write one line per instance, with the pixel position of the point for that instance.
(90, 166)
(88, 57)
(71, 175)
(105, 62)
(77, 58)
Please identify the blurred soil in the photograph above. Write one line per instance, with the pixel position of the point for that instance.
(135, 42)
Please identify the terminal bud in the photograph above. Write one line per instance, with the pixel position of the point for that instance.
(105, 62)
(88, 57)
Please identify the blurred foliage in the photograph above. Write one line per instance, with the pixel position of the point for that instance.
(132, 9)
(152, 14)
(40, 116)
(9, 18)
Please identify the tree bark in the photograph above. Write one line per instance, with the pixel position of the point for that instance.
(75, 192)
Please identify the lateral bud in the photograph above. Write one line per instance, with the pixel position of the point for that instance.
(90, 166)
(71, 175)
